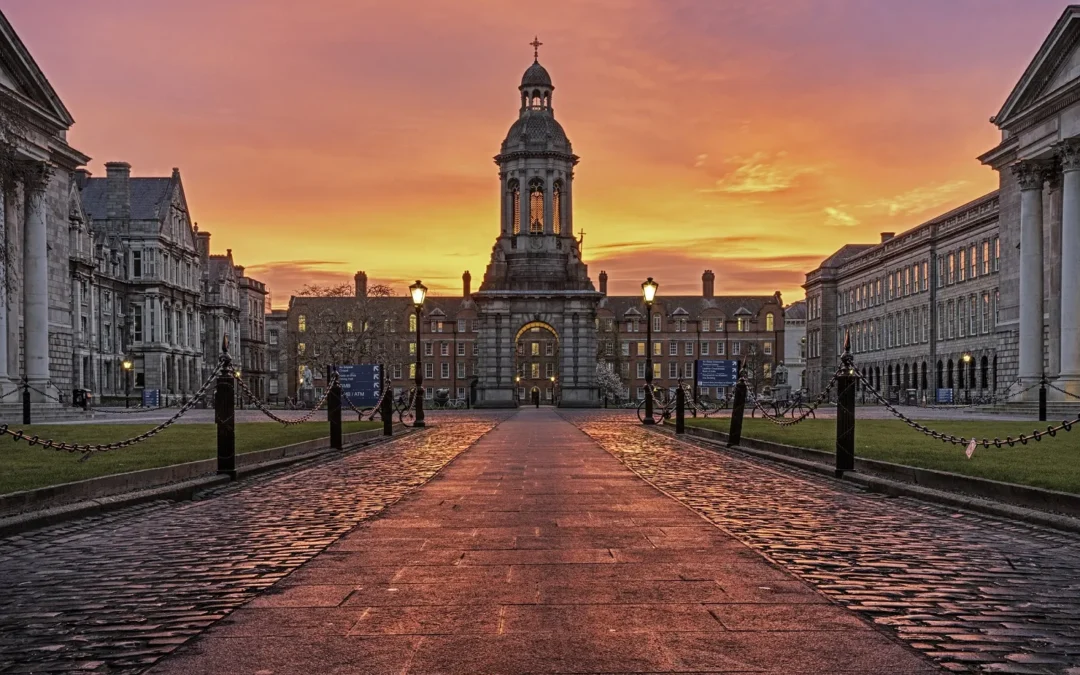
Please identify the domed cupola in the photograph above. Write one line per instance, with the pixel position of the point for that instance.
(536, 128)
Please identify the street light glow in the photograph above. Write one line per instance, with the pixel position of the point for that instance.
(648, 290)
(418, 292)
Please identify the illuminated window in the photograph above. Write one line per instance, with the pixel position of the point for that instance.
(658, 349)
(534, 370)
(412, 323)
(556, 207)
(349, 326)
(412, 349)
(534, 348)
(769, 322)
(515, 206)
(962, 266)
(656, 373)
(301, 323)
(536, 207)
(641, 349)
(301, 348)
(767, 348)
(412, 370)
(986, 257)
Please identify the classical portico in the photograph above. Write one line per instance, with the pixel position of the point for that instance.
(1038, 161)
(536, 275)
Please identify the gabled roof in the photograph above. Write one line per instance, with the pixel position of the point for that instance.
(1049, 71)
(33, 87)
(150, 197)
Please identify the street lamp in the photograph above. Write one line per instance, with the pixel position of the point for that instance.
(239, 393)
(964, 373)
(127, 365)
(418, 292)
(648, 292)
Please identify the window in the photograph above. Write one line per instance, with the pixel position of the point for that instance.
(412, 371)
(673, 348)
(997, 297)
(997, 254)
(514, 197)
(349, 326)
(704, 325)
(961, 265)
(736, 348)
(952, 268)
(926, 324)
(301, 348)
(625, 348)
(461, 349)
(475, 348)
(767, 348)
(273, 336)
(907, 281)
(961, 317)
(428, 349)
(136, 311)
(656, 371)
(704, 348)
(640, 370)
(890, 287)
(136, 264)
(657, 323)
(549, 348)
(460, 370)
(769, 322)
(534, 370)
(720, 325)
(688, 348)
(740, 324)
(658, 349)
(940, 321)
(673, 370)
(986, 312)
(412, 323)
(444, 371)
(444, 349)
(461, 327)
(986, 258)
(972, 316)
(719, 348)
(974, 271)
(412, 349)
(641, 349)
(556, 208)
(536, 207)
(429, 371)
(951, 317)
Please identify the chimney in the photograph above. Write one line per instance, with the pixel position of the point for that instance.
(117, 190)
(466, 285)
(81, 176)
(603, 282)
(360, 279)
(202, 243)
(708, 284)
(886, 236)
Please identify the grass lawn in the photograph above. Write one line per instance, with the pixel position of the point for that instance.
(23, 467)
(1053, 463)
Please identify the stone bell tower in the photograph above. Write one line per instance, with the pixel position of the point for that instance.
(536, 279)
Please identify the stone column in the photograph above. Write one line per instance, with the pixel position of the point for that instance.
(549, 217)
(1053, 270)
(1030, 176)
(506, 219)
(13, 281)
(1069, 379)
(5, 252)
(568, 205)
(36, 280)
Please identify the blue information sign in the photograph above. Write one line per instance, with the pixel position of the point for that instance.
(361, 384)
(944, 395)
(151, 398)
(716, 372)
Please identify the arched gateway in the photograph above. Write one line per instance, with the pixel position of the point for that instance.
(536, 277)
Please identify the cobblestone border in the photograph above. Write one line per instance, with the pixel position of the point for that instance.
(947, 492)
(154, 484)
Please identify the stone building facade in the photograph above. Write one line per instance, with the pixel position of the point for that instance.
(38, 214)
(254, 351)
(919, 307)
(220, 286)
(795, 343)
(279, 357)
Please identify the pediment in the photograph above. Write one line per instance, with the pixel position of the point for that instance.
(21, 76)
(1054, 69)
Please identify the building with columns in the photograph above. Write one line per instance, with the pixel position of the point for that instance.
(1038, 163)
(38, 213)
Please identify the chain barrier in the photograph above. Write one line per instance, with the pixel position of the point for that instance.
(374, 410)
(781, 421)
(994, 400)
(281, 420)
(89, 449)
(13, 391)
(1022, 439)
(1057, 388)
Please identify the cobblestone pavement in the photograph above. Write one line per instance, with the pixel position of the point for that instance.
(115, 593)
(975, 593)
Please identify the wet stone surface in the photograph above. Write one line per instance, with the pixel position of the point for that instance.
(115, 593)
(976, 594)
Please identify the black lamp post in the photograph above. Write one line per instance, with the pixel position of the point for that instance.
(127, 365)
(648, 292)
(418, 292)
(964, 372)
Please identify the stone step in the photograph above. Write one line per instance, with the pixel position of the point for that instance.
(42, 413)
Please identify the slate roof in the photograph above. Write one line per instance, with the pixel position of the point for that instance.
(728, 305)
(796, 310)
(845, 253)
(148, 196)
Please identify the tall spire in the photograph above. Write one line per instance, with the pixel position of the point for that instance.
(536, 48)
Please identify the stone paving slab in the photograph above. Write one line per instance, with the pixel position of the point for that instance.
(115, 593)
(538, 552)
(975, 593)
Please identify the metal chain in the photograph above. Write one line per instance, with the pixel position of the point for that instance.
(89, 449)
(781, 421)
(281, 420)
(1057, 388)
(374, 410)
(958, 440)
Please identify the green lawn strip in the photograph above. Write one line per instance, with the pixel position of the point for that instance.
(24, 468)
(1053, 463)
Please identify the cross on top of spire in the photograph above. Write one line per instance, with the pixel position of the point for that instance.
(536, 48)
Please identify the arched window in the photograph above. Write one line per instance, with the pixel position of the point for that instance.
(412, 323)
(949, 374)
(556, 207)
(769, 321)
(971, 374)
(536, 98)
(923, 376)
(940, 377)
(515, 205)
(301, 323)
(907, 376)
(984, 375)
(536, 207)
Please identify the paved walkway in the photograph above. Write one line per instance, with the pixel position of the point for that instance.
(537, 551)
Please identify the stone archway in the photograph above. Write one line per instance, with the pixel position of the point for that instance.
(536, 362)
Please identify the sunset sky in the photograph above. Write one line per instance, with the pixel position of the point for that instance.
(322, 137)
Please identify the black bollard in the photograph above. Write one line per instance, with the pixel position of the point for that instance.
(26, 404)
(224, 409)
(737, 409)
(387, 412)
(680, 411)
(333, 408)
(845, 423)
(1042, 400)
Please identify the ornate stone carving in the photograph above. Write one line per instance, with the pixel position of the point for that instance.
(36, 175)
(1030, 174)
(1068, 153)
